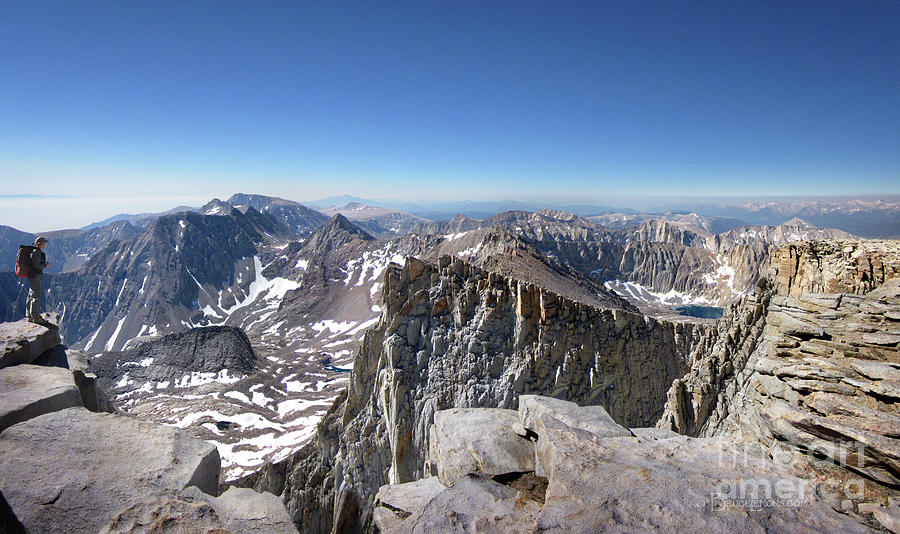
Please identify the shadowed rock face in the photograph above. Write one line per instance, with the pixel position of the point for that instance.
(170, 358)
(160, 280)
(453, 335)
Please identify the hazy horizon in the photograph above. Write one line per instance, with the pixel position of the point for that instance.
(72, 212)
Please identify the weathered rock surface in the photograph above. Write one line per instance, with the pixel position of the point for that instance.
(473, 503)
(93, 395)
(393, 504)
(889, 516)
(244, 511)
(612, 481)
(593, 419)
(22, 342)
(166, 514)
(490, 441)
(27, 391)
(849, 266)
(237, 511)
(74, 470)
(248, 512)
(817, 373)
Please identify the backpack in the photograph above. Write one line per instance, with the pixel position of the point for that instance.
(23, 261)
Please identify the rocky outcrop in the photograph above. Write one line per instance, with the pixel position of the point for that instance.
(855, 267)
(23, 342)
(486, 440)
(67, 469)
(704, 392)
(171, 358)
(455, 336)
(237, 511)
(597, 476)
(74, 469)
(829, 381)
(813, 373)
(27, 391)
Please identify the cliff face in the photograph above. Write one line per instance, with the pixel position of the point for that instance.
(855, 267)
(703, 393)
(452, 335)
(816, 368)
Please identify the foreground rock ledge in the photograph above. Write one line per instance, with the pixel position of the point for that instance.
(74, 470)
(601, 477)
(22, 342)
(28, 391)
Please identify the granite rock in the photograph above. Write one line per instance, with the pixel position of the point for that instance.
(75, 470)
(27, 391)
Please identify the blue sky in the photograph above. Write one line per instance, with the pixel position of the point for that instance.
(131, 105)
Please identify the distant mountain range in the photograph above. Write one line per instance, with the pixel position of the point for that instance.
(305, 285)
(871, 218)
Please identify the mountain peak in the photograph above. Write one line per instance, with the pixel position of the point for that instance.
(559, 215)
(338, 229)
(339, 222)
(797, 221)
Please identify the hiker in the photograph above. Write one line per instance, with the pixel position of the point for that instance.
(38, 264)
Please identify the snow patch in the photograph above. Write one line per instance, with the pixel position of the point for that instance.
(642, 294)
(333, 326)
(198, 379)
(471, 251)
(451, 237)
(112, 340)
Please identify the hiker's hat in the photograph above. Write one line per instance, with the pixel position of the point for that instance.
(40, 240)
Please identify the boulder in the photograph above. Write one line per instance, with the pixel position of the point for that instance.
(245, 511)
(471, 440)
(166, 514)
(678, 484)
(9, 524)
(474, 503)
(237, 511)
(22, 342)
(92, 395)
(656, 481)
(393, 504)
(73, 470)
(27, 391)
(654, 433)
(593, 419)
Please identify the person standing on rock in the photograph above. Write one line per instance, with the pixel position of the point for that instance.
(38, 264)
